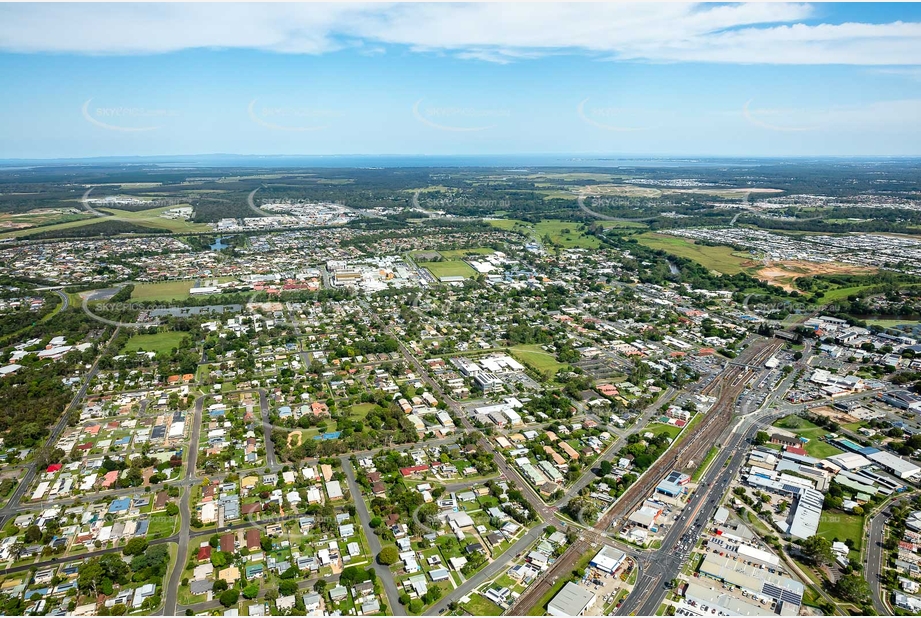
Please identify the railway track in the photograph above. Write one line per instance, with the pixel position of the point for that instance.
(730, 385)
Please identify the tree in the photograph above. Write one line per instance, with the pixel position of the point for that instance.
(388, 555)
(287, 587)
(136, 546)
(762, 437)
(320, 587)
(219, 585)
(33, 534)
(172, 510)
(99, 574)
(818, 550)
(229, 597)
(251, 591)
(854, 588)
(605, 467)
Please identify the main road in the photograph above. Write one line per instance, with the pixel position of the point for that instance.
(12, 507)
(665, 564)
(876, 553)
(185, 512)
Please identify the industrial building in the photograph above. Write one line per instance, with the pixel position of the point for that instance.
(788, 593)
(572, 600)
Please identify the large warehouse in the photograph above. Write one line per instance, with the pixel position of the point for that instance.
(896, 465)
(761, 582)
(572, 600)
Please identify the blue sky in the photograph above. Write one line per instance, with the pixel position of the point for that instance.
(671, 79)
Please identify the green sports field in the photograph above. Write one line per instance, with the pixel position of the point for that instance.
(450, 268)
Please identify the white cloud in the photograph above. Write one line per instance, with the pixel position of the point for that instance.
(742, 33)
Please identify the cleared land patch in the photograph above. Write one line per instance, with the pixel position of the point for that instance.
(726, 260)
(783, 274)
(153, 219)
(533, 355)
(40, 217)
(158, 342)
(565, 234)
(360, 410)
(722, 259)
(163, 290)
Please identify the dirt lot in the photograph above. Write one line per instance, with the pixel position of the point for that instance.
(783, 274)
(836, 415)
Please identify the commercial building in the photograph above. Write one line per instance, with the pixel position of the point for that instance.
(572, 600)
(608, 559)
(902, 399)
(724, 603)
(673, 484)
(896, 465)
(761, 582)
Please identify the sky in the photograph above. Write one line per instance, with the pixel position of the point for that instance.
(752, 80)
